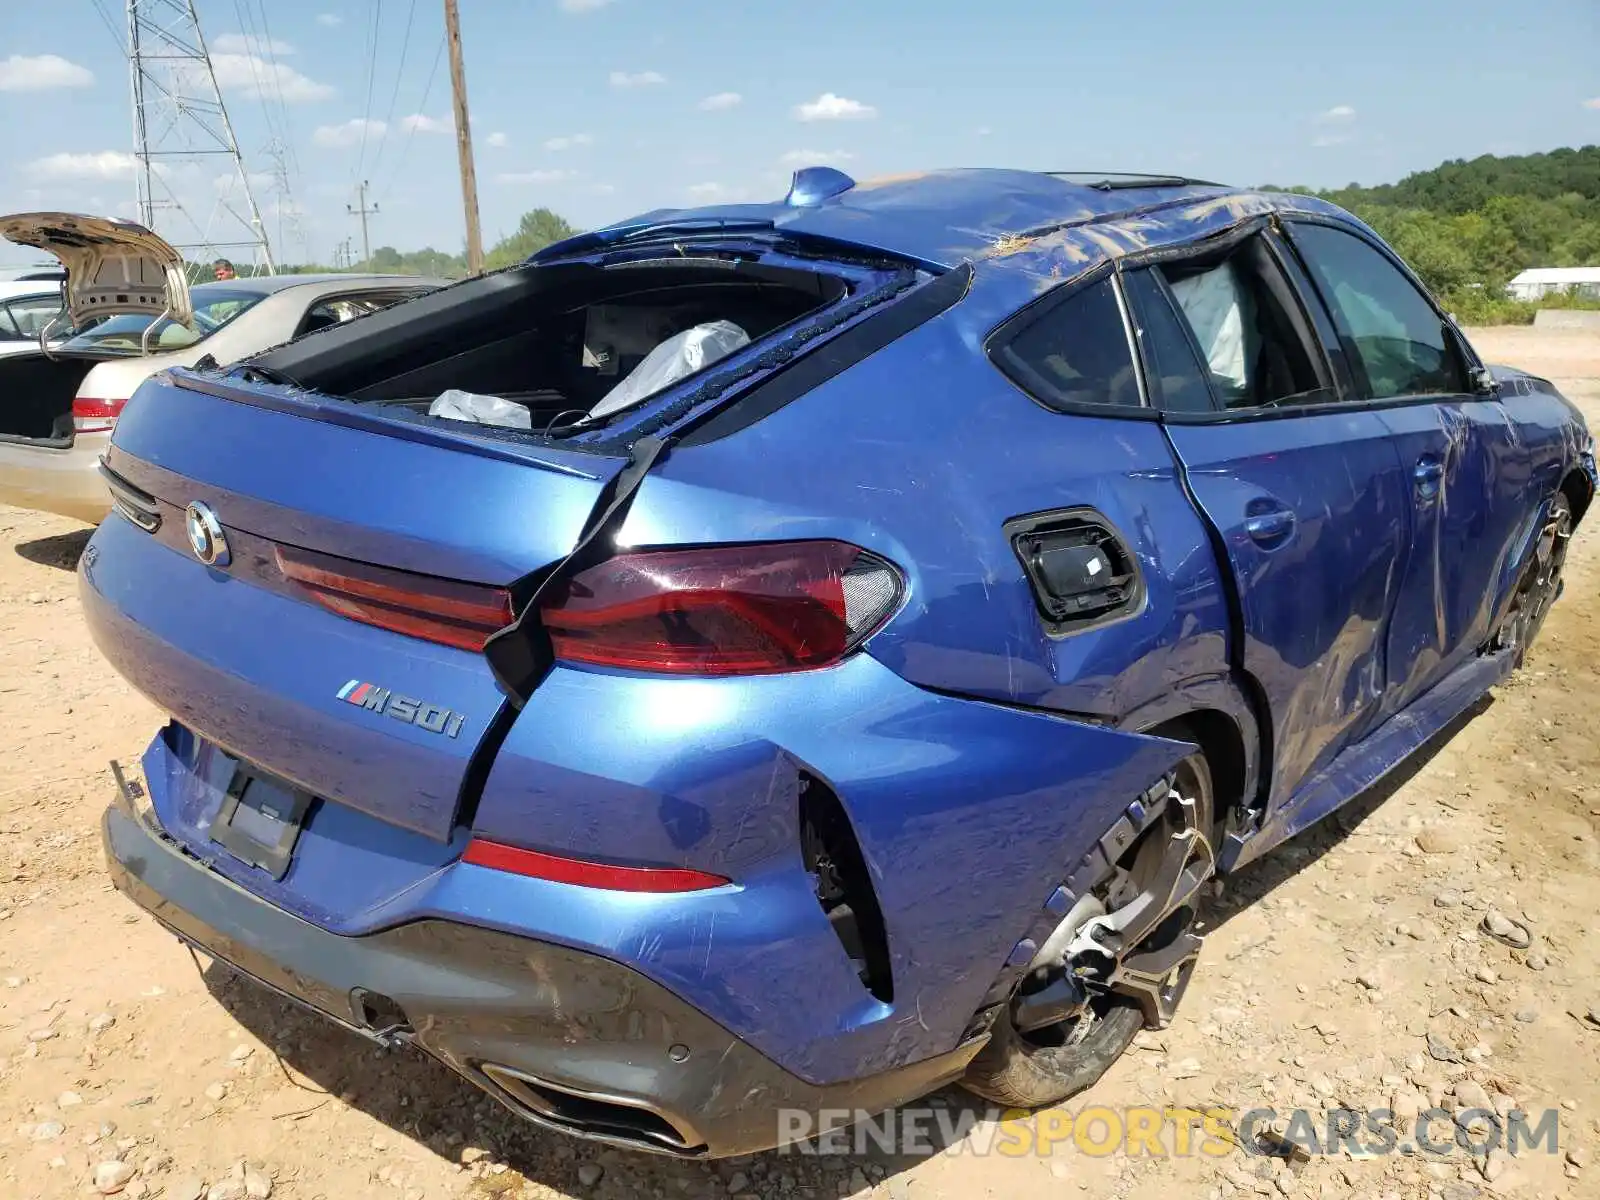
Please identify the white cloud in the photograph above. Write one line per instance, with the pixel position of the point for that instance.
(498, 140)
(717, 193)
(582, 6)
(721, 101)
(1595, 103)
(103, 164)
(829, 107)
(623, 79)
(815, 158)
(20, 73)
(329, 20)
(569, 141)
(558, 175)
(422, 123)
(248, 43)
(338, 137)
(1336, 114)
(228, 182)
(1322, 141)
(252, 75)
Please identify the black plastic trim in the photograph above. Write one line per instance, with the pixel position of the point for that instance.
(834, 357)
(572, 1020)
(1025, 533)
(832, 855)
(138, 506)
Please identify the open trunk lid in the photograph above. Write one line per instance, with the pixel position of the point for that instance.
(112, 266)
(245, 651)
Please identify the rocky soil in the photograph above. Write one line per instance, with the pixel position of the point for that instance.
(1350, 968)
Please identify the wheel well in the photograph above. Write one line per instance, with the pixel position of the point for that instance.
(1221, 742)
(1578, 492)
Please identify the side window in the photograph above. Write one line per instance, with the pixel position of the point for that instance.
(33, 314)
(1245, 322)
(8, 326)
(1173, 374)
(1394, 334)
(336, 310)
(1075, 354)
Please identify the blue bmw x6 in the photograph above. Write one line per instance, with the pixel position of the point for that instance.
(798, 655)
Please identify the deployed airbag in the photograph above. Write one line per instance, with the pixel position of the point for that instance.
(680, 356)
(1219, 311)
(480, 410)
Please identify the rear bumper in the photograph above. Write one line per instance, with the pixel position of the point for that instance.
(64, 481)
(566, 1039)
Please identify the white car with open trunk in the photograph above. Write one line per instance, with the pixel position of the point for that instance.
(58, 403)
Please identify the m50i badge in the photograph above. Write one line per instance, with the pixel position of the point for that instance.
(409, 709)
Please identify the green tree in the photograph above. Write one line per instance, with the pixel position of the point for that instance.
(535, 231)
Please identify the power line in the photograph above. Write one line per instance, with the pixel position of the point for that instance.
(372, 74)
(394, 96)
(111, 26)
(405, 146)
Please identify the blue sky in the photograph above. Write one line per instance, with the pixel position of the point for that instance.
(601, 108)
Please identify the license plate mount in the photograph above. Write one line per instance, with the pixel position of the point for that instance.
(260, 821)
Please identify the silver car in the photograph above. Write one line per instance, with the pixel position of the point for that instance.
(125, 289)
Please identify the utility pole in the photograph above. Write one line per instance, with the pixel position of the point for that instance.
(469, 176)
(361, 210)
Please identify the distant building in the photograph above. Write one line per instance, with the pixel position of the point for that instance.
(1537, 282)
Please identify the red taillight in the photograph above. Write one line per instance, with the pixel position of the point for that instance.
(587, 874)
(91, 415)
(439, 610)
(723, 610)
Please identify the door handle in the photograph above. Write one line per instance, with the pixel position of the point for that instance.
(1427, 474)
(1268, 523)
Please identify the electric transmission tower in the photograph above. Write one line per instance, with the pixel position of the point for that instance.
(290, 229)
(179, 124)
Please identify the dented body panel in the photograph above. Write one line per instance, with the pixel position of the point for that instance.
(1310, 601)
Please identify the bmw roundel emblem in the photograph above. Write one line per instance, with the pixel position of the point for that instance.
(206, 539)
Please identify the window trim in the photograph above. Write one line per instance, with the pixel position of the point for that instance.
(1025, 379)
(1361, 382)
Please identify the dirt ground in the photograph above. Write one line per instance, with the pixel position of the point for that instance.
(1331, 963)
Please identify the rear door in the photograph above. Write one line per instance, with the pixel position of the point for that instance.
(1464, 462)
(1303, 491)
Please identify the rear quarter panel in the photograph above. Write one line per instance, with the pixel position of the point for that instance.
(921, 453)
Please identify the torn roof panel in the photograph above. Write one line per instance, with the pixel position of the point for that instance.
(940, 218)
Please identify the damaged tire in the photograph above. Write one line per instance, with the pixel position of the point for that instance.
(1023, 1066)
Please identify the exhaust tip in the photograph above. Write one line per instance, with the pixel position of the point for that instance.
(615, 1119)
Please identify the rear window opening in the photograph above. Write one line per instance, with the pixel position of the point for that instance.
(557, 346)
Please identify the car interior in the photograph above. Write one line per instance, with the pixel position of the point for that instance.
(1247, 326)
(554, 341)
